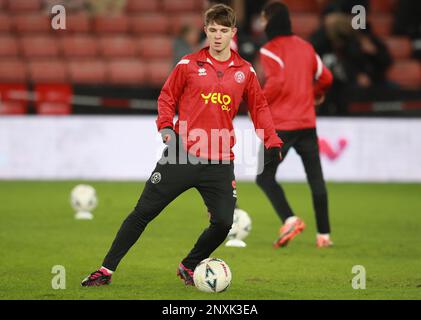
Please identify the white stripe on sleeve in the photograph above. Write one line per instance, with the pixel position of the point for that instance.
(319, 67)
(273, 56)
(184, 61)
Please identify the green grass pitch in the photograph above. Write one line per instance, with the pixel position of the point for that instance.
(374, 225)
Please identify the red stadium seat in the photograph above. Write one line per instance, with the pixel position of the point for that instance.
(32, 23)
(406, 73)
(53, 99)
(5, 23)
(47, 71)
(8, 46)
(78, 22)
(39, 46)
(12, 71)
(304, 24)
(381, 24)
(157, 71)
(14, 99)
(117, 46)
(24, 5)
(128, 71)
(155, 47)
(200, 6)
(119, 24)
(399, 47)
(87, 71)
(151, 23)
(179, 5)
(310, 6)
(383, 6)
(178, 21)
(142, 6)
(79, 46)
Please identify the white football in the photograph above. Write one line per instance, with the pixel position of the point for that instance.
(212, 275)
(241, 225)
(83, 198)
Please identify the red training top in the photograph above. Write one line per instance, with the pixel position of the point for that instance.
(294, 75)
(207, 94)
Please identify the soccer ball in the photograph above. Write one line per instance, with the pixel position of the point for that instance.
(83, 198)
(241, 226)
(212, 275)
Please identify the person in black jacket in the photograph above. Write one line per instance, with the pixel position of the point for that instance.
(358, 59)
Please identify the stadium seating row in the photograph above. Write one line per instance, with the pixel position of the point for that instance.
(303, 23)
(148, 47)
(144, 23)
(382, 6)
(85, 71)
(406, 73)
(130, 6)
(133, 71)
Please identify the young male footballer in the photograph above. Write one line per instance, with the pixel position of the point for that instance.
(206, 88)
(295, 81)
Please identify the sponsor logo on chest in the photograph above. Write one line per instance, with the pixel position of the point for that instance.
(216, 98)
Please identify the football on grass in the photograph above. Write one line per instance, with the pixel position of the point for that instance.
(83, 198)
(212, 275)
(241, 226)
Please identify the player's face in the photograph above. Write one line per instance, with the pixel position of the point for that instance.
(219, 37)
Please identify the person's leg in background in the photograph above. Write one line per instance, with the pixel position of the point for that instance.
(308, 149)
(266, 180)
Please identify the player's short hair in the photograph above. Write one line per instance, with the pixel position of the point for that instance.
(220, 14)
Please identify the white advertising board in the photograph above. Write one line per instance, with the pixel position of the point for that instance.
(127, 148)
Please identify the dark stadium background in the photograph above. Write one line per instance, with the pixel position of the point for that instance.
(114, 56)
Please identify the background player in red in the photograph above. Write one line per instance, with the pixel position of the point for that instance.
(206, 87)
(295, 81)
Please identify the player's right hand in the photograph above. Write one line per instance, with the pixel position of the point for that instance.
(167, 134)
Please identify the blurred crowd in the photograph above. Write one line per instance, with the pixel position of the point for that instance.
(359, 59)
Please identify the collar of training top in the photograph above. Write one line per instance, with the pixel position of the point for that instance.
(236, 59)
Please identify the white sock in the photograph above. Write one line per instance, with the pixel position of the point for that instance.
(324, 235)
(108, 270)
(291, 219)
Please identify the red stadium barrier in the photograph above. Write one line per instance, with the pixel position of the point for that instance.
(13, 99)
(53, 99)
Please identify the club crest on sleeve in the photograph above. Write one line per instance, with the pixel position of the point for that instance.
(156, 177)
(239, 77)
